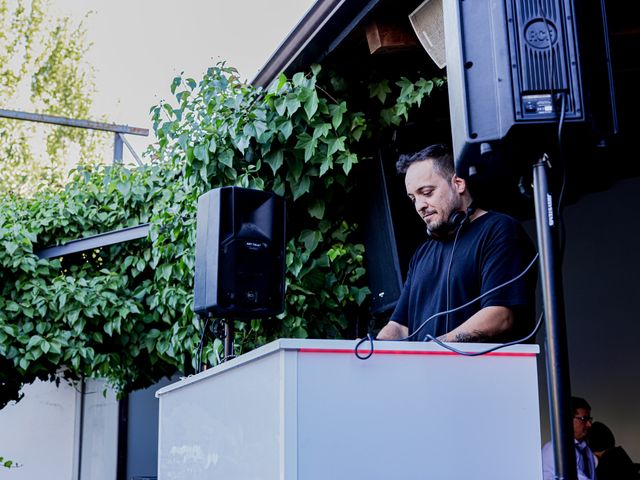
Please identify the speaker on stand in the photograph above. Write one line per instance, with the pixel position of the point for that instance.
(515, 76)
(240, 256)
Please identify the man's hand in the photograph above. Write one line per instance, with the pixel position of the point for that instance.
(392, 331)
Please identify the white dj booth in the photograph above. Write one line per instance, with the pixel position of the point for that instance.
(312, 410)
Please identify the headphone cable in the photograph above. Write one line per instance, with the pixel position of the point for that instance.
(435, 315)
(453, 249)
(470, 302)
(492, 349)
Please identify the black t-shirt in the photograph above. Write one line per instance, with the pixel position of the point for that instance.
(615, 464)
(489, 251)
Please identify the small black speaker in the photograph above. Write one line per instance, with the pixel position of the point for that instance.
(240, 253)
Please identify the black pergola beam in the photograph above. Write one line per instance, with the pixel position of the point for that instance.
(95, 241)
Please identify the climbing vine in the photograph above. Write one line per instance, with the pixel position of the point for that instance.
(124, 312)
(43, 70)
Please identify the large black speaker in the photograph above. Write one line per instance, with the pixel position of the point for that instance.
(240, 252)
(516, 63)
(381, 252)
(391, 230)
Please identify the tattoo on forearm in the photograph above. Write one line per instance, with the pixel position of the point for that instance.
(474, 336)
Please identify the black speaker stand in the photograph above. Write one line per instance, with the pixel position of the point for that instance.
(557, 358)
(229, 334)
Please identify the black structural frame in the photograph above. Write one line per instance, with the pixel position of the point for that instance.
(557, 357)
(95, 241)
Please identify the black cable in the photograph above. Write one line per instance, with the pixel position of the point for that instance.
(480, 297)
(360, 342)
(456, 350)
(492, 349)
(560, 118)
(370, 338)
(562, 237)
(453, 249)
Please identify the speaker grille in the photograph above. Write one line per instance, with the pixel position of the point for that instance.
(544, 57)
(543, 65)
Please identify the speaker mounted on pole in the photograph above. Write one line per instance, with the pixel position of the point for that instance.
(514, 68)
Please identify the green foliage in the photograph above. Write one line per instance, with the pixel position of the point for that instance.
(411, 95)
(42, 70)
(124, 313)
(5, 463)
(298, 142)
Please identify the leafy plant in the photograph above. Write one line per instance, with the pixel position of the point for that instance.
(124, 313)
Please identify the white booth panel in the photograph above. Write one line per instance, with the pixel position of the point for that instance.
(311, 410)
(411, 416)
(210, 429)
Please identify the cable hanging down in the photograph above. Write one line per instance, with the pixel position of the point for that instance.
(446, 312)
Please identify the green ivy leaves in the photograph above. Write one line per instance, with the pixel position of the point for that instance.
(124, 313)
(411, 95)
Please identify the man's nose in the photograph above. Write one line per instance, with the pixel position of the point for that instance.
(421, 204)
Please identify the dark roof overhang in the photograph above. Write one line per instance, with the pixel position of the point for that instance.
(325, 25)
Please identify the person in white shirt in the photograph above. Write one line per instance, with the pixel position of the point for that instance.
(585, 460)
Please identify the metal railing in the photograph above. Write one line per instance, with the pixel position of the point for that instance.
(119, 131)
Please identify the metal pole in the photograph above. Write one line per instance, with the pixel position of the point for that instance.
(229, 333)
(130, 148)
(558, 382)
(117, 148)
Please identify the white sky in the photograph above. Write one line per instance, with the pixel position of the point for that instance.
(140, 45)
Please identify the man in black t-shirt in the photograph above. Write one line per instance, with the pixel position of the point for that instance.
(471, 253)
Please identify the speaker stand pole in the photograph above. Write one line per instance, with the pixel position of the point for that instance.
(557, 358)
(229, 334)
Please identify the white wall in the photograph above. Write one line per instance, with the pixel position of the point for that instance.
(99, 433)
(41, 433)
(38, 432)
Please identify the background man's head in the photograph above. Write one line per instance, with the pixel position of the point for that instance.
(582, 420)
(600, 438)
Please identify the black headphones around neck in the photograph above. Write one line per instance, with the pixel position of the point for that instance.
(459, 218)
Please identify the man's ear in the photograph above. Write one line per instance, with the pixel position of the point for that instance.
(460, 184)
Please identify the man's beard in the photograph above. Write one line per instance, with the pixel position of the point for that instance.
(440, 228)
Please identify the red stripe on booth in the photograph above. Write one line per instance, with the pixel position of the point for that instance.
(404, 352)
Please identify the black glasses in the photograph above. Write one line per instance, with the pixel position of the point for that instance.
(584, 418)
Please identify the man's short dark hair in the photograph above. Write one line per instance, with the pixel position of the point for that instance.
(439, 153)
(578, 402)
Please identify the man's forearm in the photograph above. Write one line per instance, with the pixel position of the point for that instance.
(392, 331)
(482, 326)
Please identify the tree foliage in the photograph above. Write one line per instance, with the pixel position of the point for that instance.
(124, 313)
(42, 70)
